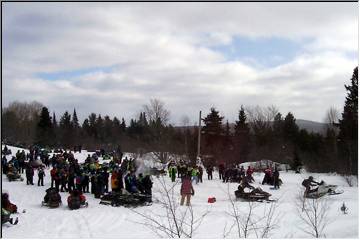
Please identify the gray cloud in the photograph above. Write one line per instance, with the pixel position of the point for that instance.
(161, 50)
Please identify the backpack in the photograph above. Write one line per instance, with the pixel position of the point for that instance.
(74, 202)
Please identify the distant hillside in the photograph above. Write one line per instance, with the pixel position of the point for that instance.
(311, 126)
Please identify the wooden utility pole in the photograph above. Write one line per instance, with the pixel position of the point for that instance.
(199, 136)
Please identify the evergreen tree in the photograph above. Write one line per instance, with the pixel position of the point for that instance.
(76, 127)
(242, 137)
(278, 125)
(213, 123)
(241, 126)
(75, 121)
(213, 139)
(290, 128)
(108, 129)
(66, 130)
(45, 133)
(99, 125)
(348, 134)
(54, 122)
(123, 125)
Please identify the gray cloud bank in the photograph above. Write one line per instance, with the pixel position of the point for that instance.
(163, 50)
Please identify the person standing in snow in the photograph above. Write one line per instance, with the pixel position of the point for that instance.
(194, 175)
(186, 190)
(209, 171)
(276, 175)
(41, 175)
(172, 173)
(29, 175)
(200, 173)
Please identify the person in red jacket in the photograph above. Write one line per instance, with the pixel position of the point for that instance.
(52, 174)
(249, 173)
(186, 190)
(6, 204)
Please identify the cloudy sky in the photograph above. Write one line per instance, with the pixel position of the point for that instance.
(111, 58)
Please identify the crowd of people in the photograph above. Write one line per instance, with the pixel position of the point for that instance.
(68, 175)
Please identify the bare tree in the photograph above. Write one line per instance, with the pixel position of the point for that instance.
(314, 214)
(247, 223)
(332, 119)
(156, 110)
(174, 221)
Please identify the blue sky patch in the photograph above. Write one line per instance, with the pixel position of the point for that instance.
(53, 76)
(261, 51)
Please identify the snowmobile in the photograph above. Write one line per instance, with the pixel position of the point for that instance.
(322, 190)
(256, 195)
(52, 198)
(5, 217)
(14, 176)
(127, 200)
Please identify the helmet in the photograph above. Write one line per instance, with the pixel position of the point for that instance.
(311, 178)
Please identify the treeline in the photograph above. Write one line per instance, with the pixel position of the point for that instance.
(264, 133)
(259, 133)
(25, 124)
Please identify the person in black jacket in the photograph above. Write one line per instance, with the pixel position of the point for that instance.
(276, 179)
(147, 184)
(29, 175)
(105, 179)
(41, 174)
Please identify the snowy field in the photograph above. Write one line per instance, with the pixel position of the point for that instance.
(101, 221)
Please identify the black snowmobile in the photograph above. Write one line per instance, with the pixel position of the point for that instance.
(127, 200)
(52, 198)
(256, 194)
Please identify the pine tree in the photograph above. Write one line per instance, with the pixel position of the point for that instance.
(242, 137)
(348, 134)
(290, 128)
(213, 134)
(213, 123)
(241, 126)
(76, 127)
(66, 130)
(45, 133)
(278, 125)
(54, 122)
(75, 121)
(123, 125)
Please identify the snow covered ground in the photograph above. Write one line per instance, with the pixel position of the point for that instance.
(101, 221)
